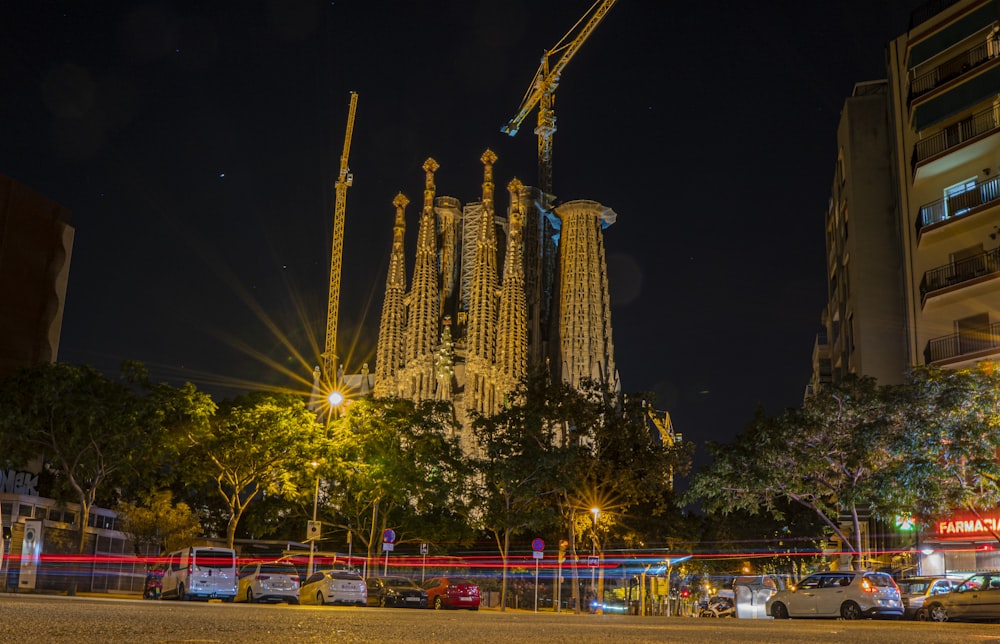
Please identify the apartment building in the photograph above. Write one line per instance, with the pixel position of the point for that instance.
(945, 99)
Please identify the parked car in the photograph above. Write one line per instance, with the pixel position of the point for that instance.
(845, 594)
(268, 581)
(976, 598)
(395, 591)
(334, 587)
(452, 592)
(915, 592)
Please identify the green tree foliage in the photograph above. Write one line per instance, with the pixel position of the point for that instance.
(825, 456)
(395, 463)
(946, 449)
(258, 443)
(158, 525)
(92, 432)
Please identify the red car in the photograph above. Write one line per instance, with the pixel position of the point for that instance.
(451, 592)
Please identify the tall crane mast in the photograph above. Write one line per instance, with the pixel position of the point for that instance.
(344, 181)
(541, 92)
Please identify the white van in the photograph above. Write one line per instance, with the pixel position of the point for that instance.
(200, 573)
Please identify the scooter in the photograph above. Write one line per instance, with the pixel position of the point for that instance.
(718, 607)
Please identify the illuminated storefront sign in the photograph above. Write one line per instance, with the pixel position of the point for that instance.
(968, 527)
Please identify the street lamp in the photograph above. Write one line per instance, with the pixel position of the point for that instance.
(593, 569)
(313, 526)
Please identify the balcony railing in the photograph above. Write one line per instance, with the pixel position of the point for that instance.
(962, 344)
(954, 135)
(984, 193)
(953, 68)
(964, 270)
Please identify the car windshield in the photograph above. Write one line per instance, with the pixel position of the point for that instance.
(278, 569)
(338, 574)
(914, 587)
(399, 583)
(880, 580)
(212, 559)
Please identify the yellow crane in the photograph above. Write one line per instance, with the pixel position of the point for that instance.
(541, 92)
(668, 437)
(344, 181)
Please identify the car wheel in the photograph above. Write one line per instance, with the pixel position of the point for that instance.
(922, 615)
(181, 595)
(249, 595)
(937, 613)
(382, 602)
(778, 611)
(438, 604)
(320, 599)
(850, 610)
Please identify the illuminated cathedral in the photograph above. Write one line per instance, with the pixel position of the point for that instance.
(494, 295)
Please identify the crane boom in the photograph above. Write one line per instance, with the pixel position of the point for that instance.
(344, 181)
(541, 92)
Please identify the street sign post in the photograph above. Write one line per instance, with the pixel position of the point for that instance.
(423, 568)
(538, 546)
(388, 537)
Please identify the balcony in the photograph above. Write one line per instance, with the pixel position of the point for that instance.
(952, 68)
(980, 268)
(953, 136)
(961, 346)
(984, 194)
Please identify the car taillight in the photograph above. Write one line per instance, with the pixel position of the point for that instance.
(190, 569)
(868, 587)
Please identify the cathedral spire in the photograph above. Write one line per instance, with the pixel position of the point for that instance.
(512, 325)
(481, 328)
(389, 356)
(423, 321)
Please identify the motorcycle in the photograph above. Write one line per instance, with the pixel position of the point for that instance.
(718, 607)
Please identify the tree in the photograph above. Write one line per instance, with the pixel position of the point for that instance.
(946, 450)
(396, 463)
(87, 428)
(515, 471)
(157, 525)
(257, 443)
(825, 456)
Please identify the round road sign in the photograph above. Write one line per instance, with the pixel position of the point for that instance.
(389, 535)
(538, 545)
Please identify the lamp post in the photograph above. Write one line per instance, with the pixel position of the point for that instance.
(312, 538)
(593, 584)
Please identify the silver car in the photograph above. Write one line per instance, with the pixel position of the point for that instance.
(976, 598)
(917, 592)
(845, 594)
(334, 587)
(268, 581)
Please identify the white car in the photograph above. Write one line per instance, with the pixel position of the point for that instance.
(334, 587)
(845, 594)
(268, 581)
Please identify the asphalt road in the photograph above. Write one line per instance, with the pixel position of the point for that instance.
(39, 618)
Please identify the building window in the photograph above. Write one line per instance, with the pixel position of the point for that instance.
(25, 511)
(957, 199)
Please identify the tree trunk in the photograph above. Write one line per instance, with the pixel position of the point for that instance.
(576, 561)
(503, 558)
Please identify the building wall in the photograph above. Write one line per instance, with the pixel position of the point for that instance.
(36, 243)
(945, 96)
(864, 321)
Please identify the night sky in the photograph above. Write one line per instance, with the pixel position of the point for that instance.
(197, 145)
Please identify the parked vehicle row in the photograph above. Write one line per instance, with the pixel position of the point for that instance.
(856, 595)
(205, 573)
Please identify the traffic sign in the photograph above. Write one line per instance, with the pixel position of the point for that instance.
(389, 535)
(538, 545)
(592, 562)
(313, 530)
(538, 554)
(424, 548)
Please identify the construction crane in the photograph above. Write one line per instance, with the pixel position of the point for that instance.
(668, 437)
(542, 90)
(344, 181)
